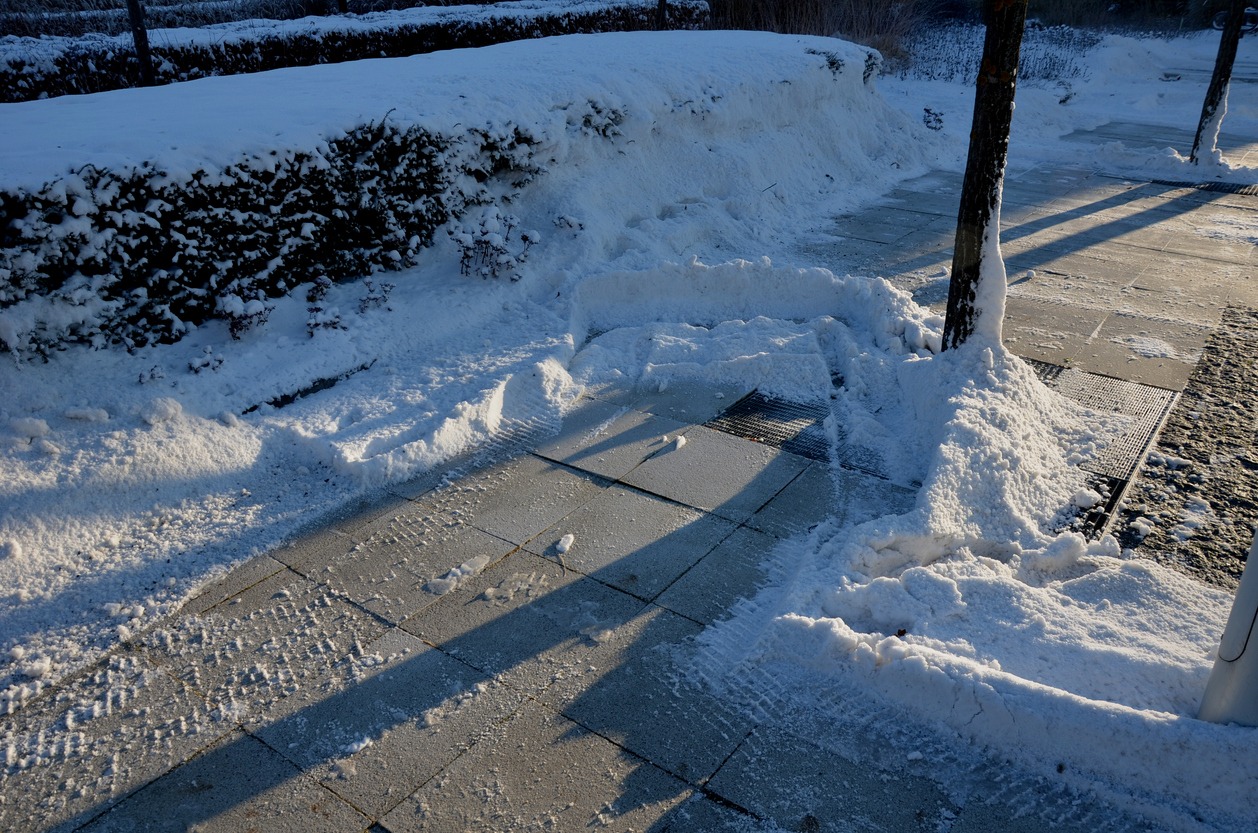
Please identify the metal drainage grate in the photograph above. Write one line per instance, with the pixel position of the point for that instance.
(1147, 407)
(1111, 472)
(1220, 187)
(790, 426)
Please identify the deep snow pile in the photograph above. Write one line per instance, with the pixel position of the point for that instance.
(129, 479)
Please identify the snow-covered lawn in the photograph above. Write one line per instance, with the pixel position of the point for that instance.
(127, 480)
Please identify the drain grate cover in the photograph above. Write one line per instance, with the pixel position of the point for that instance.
(790, 426)
(1220, 187)
(1147, 407)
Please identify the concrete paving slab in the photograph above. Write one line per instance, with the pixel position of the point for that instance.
(312, 551)
(1100, 267)
(718, 473)
(1049, 331)
(844, 256)
(909, 197)
(1211, 282)
(935, 238)
(239, 784)
(405, 712)
(689, 403)
(526, 621)
(407, 562)
(633, 695)
(734, 570)
(1101, 192)
(131, 723)
(633, 541)
(864, 498)
(1092, 226)
(776, 776)
(980, 817)
(541, 771)
(253, 650)
(1173, 306)
(1048, 286)
(513, 500)
(238, 580)
(608, 440)
(888, 225)
(1212, 236)
(367, 509)
(1160, 353)
(701, 814)
(805, 502)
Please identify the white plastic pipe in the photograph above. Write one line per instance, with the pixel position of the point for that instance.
(1232, 692)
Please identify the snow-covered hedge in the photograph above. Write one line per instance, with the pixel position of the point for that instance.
(33, 68)
(213, 198)
(135, 256)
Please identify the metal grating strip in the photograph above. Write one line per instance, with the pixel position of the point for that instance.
(1220, 187)
(790, 426)
(1147, 406)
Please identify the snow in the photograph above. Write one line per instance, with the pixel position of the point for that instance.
(129, 480)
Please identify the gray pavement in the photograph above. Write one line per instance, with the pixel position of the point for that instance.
(434, 661)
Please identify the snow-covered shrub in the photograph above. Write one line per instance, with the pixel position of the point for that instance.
(377, 295)
(132, 257)
(487, 248)
(32, 68)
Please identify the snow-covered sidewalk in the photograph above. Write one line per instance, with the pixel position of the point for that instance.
(537, 643)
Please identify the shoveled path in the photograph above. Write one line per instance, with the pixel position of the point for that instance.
(445, 658)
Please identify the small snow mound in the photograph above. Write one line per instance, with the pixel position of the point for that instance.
(37, 668)
(87, 414)
(1064, 551)
(28, 428)
(1142, 526)
(1087, 498)
(565, 543)
(10, 550)
(162, 409)
(456, 577)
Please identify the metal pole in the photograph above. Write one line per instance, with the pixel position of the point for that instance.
(1232, 692)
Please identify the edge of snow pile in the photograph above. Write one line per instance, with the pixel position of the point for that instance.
(972, 614)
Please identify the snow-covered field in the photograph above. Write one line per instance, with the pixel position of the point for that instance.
(128, 480)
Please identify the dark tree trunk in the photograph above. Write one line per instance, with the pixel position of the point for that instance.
(661, 15)
(140, 34)
(342, 6)
(979, 213)
(1216, 94)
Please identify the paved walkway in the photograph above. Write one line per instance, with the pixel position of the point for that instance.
(335, 685)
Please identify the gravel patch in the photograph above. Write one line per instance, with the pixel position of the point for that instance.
(1194, 505)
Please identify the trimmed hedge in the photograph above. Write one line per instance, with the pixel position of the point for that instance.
(33, 68)
(106, 257)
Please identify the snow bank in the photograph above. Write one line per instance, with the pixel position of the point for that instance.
(214, 210)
